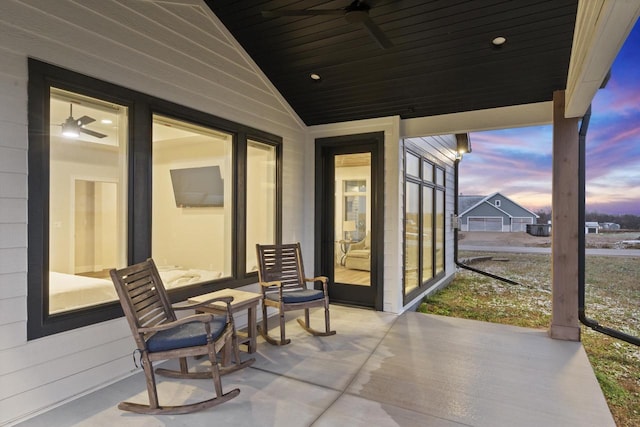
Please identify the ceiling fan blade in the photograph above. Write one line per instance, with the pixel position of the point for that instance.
(85, 120)
(377, 33)
(307, 12)
(92, 133)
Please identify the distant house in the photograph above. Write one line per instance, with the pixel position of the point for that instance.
(493, 213)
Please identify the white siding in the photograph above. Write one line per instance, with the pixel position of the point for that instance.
(172, 50)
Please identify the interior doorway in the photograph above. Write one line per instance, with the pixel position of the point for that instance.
(95, 226)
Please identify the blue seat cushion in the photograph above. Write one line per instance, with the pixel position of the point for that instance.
(302, 295)
(186, 335)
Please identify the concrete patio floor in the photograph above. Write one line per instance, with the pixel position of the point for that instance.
(379, 370)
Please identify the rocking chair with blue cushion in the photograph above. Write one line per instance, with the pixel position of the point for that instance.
(284, 287)
(160, 335)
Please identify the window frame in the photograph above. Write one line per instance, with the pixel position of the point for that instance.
(141, 108)
(437, 188)
(277, 144)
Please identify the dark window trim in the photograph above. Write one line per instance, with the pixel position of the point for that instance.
(141, 108)
(241, 178)
(424, 157)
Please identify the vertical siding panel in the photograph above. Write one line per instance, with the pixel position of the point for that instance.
(13, 236)
(13, 285)
(13, 195)
(12, 310)
(14, 133)
(13, 260)
(394, 198)
(294, 200)
(13, 160)
(13, 335)
(13, 185)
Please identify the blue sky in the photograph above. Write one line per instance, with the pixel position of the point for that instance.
(517, 162)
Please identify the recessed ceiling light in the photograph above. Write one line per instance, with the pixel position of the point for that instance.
(314, 76)
(498, 41)
(106, 121)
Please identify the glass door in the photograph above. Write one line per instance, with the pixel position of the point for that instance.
(349, 232)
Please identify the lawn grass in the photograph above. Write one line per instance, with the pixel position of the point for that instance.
(612, 298)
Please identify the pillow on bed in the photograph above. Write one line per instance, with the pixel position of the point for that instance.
(180, 277)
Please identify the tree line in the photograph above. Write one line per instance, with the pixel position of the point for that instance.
(626, 221)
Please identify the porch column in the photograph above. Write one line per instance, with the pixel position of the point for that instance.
(564, 225)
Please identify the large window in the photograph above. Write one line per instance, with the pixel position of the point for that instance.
(192, 202)
(87, 198)
(423, 222)
(117, 176)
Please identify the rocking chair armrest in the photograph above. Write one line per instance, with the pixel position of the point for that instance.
(191, 306)
(204, 318)
(323, 279)
(276, 283)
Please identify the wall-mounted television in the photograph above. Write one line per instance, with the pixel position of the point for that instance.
(198, 187)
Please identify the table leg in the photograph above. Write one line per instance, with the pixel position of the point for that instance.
(252, 330)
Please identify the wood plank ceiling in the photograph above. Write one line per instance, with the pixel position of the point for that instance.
(441, 59)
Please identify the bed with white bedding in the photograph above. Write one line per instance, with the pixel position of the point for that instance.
(69, 291)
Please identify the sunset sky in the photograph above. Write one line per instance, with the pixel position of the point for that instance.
(517, 162)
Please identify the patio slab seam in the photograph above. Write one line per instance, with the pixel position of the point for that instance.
(357, 372)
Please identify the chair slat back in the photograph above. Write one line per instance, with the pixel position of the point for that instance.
(143, 297)
(283, 263)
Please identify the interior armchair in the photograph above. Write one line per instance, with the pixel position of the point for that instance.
(358, 257)
(160, 335)
(284, 287)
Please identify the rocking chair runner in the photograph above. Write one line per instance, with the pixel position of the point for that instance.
(159, 335)
(284, 286)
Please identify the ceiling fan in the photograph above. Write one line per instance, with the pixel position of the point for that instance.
(355, 13)
(73, 127)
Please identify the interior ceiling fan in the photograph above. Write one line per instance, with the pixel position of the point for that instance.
(73, 127)
(355, 13)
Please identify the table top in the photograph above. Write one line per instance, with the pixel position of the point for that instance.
(240, 298)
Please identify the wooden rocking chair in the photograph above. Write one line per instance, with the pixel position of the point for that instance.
(160, 335)
(284, 286)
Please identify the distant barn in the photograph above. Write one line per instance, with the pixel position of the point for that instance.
(609, 226)
(591, 227)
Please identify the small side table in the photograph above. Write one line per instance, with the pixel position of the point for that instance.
(241, 300)
(344, 248)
